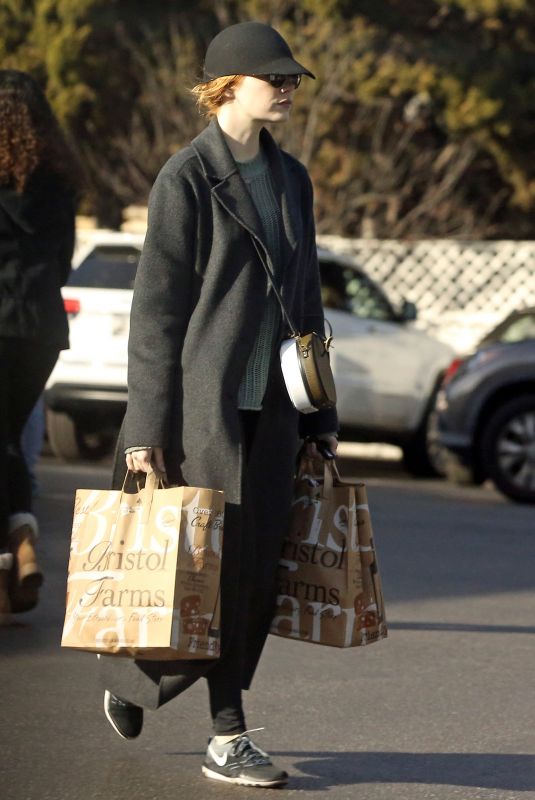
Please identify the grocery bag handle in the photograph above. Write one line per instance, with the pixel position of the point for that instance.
(153, 480)
(130, 475)
(331, 476)
(304, 464)
(327, 479)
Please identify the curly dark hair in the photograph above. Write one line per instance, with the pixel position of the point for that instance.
(30, 135)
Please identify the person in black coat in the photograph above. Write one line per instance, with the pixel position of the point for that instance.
(207, 404)
(37, 222)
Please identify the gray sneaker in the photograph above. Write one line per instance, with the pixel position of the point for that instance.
(241, 761)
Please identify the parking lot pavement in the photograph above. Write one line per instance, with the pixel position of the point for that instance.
(442, 709)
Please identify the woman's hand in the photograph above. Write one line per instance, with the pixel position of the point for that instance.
(146, 460)
(331, 441)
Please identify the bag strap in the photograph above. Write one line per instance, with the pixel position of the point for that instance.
(327, 341)
(285, 314)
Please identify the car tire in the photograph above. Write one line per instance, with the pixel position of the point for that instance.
(508, 448)
(70, 442)
(423, 455)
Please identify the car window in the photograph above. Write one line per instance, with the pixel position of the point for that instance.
(519, 329)
(347, 289)
(107, 267)
(515, 328)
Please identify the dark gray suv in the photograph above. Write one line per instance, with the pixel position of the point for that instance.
(486, 409)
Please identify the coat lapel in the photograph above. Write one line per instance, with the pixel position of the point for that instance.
(227, 185)
(288, 203)
(230, 190)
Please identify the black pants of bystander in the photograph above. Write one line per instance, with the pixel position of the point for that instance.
(24, 369)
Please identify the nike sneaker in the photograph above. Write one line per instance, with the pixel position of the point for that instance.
(241, 761)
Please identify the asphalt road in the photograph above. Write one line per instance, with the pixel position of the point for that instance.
(444, 708)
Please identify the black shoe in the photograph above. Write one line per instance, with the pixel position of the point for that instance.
(241, 761)
(125, 718)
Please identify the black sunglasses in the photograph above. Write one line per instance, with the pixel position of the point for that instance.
(279, 81)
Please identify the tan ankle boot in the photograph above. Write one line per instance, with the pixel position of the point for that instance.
(6, 562)
(26, 575)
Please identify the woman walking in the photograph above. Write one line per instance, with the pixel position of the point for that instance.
(36, 243)
(207, 402)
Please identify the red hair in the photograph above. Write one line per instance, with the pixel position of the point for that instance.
(212, 95)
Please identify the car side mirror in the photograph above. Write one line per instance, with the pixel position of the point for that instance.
(409, 312)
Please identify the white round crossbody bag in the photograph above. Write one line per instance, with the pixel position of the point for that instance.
(307, 372)
(305, 362)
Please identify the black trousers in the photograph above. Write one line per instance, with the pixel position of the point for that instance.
(225, 678)
(24, 369)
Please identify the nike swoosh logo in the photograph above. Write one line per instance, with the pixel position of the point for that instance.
(219, 760)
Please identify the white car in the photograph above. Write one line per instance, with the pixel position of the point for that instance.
(386, 372)
(86, 393)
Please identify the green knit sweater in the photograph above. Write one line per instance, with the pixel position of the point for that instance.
(257, 177)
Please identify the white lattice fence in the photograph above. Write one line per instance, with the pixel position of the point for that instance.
(462, 289)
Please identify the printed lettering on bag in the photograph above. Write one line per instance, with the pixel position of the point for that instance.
(201, 518)
(290, 620)
(310, 551)
(129, 598)
(165, 523)
(315, 527)
(83, 509)
(301, 590)
(103, 557)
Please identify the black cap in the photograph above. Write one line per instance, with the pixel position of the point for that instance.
(250, 48)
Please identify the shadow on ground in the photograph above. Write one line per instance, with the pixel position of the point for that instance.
(323, 770)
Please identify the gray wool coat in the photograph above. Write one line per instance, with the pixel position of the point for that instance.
(199, 297)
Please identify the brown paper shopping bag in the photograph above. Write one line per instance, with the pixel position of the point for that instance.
(144, 572)
(329, 589)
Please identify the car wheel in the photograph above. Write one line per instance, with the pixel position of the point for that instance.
(423, 455)
(69, 441)
(508, 448)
